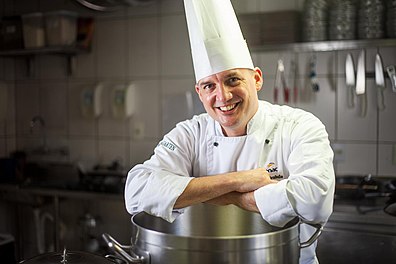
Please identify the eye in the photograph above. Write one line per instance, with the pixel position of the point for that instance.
(233, 81)
(208, 86)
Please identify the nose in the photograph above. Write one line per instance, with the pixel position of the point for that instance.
(223, 93)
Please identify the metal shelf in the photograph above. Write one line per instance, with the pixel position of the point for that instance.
(333, 45)
(68, 51)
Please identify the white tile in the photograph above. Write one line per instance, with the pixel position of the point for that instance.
(171, 6)
(143, 47)
(175, 106)
(386, 153)
(149, 8)
(387, 124)
(27, 98)
(175, 47)
(148, 108)
(79, 124)
(85, 64)
(388, 55)
(360, 159)
(111, 150)
(352, 126)
(53, 107)
(112, 50)
(270, 5)
(51, 66)
(245, 6)
(140, 152)
(267, 91)
(321, 103)
(83, 151)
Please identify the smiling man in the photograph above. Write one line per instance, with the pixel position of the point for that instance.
(270, 159)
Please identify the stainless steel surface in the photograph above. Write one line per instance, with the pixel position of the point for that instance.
(327, 45)
(379, 82)
(68, 257)
(214, 234)
(359, 231)
(350, 80)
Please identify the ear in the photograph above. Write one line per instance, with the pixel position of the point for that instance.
(198, 91)
(258, 78)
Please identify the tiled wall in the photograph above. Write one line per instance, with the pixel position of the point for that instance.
(149, 46)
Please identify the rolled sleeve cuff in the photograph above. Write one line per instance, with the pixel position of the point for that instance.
(273, 204)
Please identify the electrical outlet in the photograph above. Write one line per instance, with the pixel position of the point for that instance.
(138, 130)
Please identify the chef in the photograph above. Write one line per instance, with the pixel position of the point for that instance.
(270, 159)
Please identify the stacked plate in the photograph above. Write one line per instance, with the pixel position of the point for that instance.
(371, 19)
(314, 20)
(391, 19)
(342, 20)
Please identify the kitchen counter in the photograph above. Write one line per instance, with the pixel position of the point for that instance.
(36, 196)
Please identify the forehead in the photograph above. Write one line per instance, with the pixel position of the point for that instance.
(222, 75)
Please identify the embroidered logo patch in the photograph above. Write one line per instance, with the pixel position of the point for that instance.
(167, 145)
(272, 170)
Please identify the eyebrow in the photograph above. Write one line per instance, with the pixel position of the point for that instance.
(229, 75)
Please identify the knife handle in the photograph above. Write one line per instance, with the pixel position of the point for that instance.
(350, 97)
(363, 104)
(380, 99)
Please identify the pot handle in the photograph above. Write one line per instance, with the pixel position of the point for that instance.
(118, 249)
(314, 236)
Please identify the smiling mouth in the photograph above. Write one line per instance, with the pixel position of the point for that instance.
(228, 108)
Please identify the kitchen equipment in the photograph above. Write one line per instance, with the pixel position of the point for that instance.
(391, 70)
(371, 17)
(342, 20)
(361, 83)
(212, 234)
(111, 5)
(350, 79)
(280, 83)
(293, 80)
(379, 82)
(391, 19)
(312, 74)
(68, 257)
(33, 30)
(314, 20)
(7, 249)
(61, 28)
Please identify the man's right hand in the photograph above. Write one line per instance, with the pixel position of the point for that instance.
(251, 180)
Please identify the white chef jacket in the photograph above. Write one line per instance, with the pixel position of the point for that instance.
(290, 143)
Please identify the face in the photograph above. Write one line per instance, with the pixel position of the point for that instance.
(230, 98)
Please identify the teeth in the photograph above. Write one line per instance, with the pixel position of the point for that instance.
(227, 108)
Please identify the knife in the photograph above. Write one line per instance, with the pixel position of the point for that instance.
(350, 79)
(361, 82)
(379, 82)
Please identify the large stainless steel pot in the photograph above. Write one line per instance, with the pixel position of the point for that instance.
(212, 234)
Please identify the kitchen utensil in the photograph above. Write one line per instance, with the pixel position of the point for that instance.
(293, 80)
(68, 257)
(361, 82)
(277, 83)
(312, 74)
(350, 79)
(199, 235)
(285, 88)
(379, 82)
(391, 70)
(281, 84)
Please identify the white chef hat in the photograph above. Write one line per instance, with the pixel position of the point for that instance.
(216, 40)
